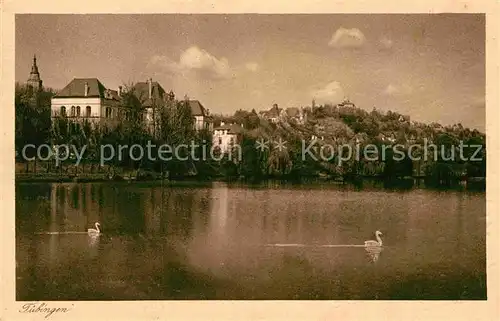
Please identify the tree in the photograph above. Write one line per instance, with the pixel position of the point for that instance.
(32, 119)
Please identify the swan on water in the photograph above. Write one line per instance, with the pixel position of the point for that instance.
(96, 231)
(378, 242)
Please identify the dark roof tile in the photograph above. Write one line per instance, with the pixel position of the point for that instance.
(141, 91)
(232, 128)
(76, 88)
(197, 108)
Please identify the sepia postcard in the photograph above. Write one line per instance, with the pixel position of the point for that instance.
(197, 160)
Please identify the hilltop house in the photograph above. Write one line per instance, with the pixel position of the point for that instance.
(226, 135)
(296, 114)
(347, 104)
(87, 99)
(274, 115)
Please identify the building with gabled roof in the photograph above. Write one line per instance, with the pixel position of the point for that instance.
(150, 93)
(226, 136)
(153, 99)
(202, 119)
(88, 99)
(274, 115)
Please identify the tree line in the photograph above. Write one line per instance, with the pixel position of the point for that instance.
(332, 125)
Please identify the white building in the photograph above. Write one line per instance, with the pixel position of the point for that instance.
(225, 136)
(87, 99)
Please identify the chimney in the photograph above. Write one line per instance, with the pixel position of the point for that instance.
(150, 83)
(86, 89)
(119, 90)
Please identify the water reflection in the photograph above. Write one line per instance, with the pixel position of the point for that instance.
(212, 242)
(374, 253)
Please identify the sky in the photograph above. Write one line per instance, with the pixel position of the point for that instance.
(430, 67)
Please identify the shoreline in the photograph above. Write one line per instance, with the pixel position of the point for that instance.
(473, 184)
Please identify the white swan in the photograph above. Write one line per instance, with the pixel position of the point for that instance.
(96, 231)
(378, 242)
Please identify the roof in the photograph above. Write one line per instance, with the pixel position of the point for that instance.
(141, 91)
(273, 112)
(76, 88)
(231, 128)
(197, 108)
(346, 103)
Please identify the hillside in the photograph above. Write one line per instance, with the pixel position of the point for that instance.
(333, 127)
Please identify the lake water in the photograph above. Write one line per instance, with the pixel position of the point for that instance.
(219, 241)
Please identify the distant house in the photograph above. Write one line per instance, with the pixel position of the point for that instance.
(227, 135)
(87, 99)
(202, 119)
(404, 118)
(296, 114)
(274, 115)
(346, 103)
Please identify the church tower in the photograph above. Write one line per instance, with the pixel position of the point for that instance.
(34, 80)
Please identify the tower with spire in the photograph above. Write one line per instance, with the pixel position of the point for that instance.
(34, 80)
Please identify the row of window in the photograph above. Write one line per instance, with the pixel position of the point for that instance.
(75, 111)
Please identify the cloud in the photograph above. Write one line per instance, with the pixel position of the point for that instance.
(164, 62)
(392, 90)
(330, 93)
(386, 43)
(252, 66)
(198, 61)
(347, 38)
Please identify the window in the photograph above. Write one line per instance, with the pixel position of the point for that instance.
(77, 111)
(220, 140)
(63, 111)
(108, 112)
(231, 141)
(88, 111)
(72, 111)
